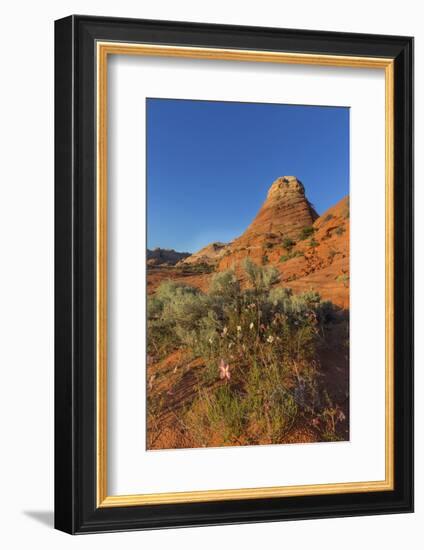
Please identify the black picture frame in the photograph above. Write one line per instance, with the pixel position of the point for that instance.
(76, 510)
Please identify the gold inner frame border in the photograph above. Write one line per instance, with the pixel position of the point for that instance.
(103, 50)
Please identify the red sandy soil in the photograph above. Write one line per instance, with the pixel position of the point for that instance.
(173, 383)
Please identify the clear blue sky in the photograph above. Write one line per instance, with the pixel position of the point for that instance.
(210, 164)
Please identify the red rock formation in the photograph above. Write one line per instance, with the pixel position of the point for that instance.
(284, 214)
(286, 210)
(314, 260)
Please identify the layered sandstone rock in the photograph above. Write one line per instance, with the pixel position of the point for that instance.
(286, 210)
(285, 213)
(321, 262)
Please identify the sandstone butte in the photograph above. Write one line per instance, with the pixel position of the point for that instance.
(310, 251)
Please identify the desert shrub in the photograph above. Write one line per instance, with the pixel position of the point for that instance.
(328, 217)
(290, 255)
(340, 230)
(261, 279)
(175, 314)
(267, 336)
(327, 313)
(343, 278)
(271, 405)
(306, 232)
(198, 268)
(265, 259)
(225, 285)
(288, 243)
(265, 409)
(222, 412)
(313, 243)
(329, 417)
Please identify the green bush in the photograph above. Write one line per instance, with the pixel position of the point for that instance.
(288, 243)
(344, 278)
(172, 314)
(260, 278)
(266, 334)
(225, 285)
(197, 268)
(290, 255)
(222, 411)
(306, 232)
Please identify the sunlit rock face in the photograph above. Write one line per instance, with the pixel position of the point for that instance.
(284, 214)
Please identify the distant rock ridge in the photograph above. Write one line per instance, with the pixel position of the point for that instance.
(165, 256)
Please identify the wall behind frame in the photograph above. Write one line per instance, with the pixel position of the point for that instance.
(26, 275)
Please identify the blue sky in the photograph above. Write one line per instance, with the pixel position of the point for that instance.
(210, 164)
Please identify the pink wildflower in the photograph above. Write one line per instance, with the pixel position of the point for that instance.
(151, 380)
(224, 370)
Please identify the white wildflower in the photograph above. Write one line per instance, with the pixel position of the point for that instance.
(341, 416)
(251, 326)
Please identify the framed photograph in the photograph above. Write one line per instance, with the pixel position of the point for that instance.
(234, 254)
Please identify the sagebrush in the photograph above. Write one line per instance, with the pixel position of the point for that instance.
(267, 338)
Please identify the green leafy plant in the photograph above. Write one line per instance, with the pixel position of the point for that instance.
(290, 255)
(306, 232)
(267, 339)
(344, 278)
(197, 268)
(288, 243)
